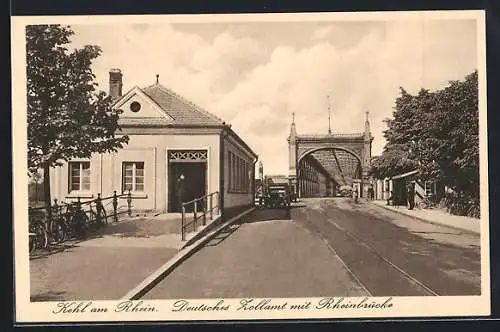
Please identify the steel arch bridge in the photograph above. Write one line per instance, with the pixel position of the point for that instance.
(320, 164)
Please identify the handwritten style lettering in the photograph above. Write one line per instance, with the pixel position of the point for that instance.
(131, 306)
(183, 305)
(342, 303)
(72, 307)
(249, 304)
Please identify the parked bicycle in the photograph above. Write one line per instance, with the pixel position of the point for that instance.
(96, 215)
(63, 221)
(37, 229)
(428, 203)
(79, 220)
(71, 220)
(57, 228)
(32, 241)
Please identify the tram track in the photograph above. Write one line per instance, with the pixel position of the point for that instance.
(374, 272)
(351, 273)
(429, 290)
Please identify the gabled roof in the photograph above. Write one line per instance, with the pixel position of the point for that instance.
(400, 176)
(177, 110)
(162, 114)
(181, 110)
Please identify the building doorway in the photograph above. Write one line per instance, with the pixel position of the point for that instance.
(187, 178)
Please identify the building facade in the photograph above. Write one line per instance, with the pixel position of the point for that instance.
(396, 188)
(176, 152)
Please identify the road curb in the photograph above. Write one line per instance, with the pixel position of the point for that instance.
(465, 230)
(152, 280)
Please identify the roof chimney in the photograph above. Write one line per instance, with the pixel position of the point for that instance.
(115, 83)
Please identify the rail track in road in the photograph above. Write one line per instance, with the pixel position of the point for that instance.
(374, 272)
(407, 275)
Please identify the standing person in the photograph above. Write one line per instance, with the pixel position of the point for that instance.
(180, 191)
(408, 195)
(355, 194)
(261, 195)
(411, 196)
(390, 198)
(370, 193)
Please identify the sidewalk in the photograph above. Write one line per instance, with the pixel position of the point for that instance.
(107, 265)
(436, 216)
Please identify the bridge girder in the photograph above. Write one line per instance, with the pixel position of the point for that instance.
(344, 157)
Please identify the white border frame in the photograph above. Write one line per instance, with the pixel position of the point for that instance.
(402, 306)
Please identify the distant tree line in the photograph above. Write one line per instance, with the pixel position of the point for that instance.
(438, 134)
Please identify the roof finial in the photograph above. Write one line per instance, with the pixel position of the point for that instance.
(329, 115)
(293, 117)
(367, 124)
(157, 79)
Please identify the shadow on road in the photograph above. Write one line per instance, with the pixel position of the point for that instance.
(222, 235)
(44, 253)
(260, 214)
(49, 296)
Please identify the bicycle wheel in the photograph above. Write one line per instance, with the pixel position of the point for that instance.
(42, 238)
(69, 230)
(92, 221)
(32, 242)
(58, 231)
(81, 225)
(103, 216)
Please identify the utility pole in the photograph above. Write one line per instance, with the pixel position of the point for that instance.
(329, 115)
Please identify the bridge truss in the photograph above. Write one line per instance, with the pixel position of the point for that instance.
(321, 164)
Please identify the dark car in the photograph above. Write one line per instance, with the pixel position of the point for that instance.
(293, 193)
(278, 195)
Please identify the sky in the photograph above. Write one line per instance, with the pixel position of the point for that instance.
(254, 75)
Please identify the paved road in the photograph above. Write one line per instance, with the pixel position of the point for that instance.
(104, 266)
(328, 247)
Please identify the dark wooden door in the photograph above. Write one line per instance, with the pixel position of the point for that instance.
(187, 181)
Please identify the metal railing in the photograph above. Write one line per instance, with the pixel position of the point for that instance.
(108, 204)
(208, 204)
(73, 218)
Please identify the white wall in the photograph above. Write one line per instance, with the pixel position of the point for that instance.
(106, 170)
(232, 199)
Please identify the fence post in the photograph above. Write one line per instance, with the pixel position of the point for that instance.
(183, 221)
(98, 207)
(56, 206)
(211, 206)
(78, 206)
(54, 214)
(129, 203)
(115, 206)
(204, 207)
(195, 214)
(219, 212)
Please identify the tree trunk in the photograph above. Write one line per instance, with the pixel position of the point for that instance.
(46, 193)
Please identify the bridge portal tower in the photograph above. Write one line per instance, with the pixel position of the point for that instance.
(358, 145)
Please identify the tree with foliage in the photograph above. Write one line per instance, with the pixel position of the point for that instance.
(404, 135)
(438, 134)
(453, 142)
(67, 117)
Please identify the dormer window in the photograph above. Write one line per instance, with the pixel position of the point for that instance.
(135, 106)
